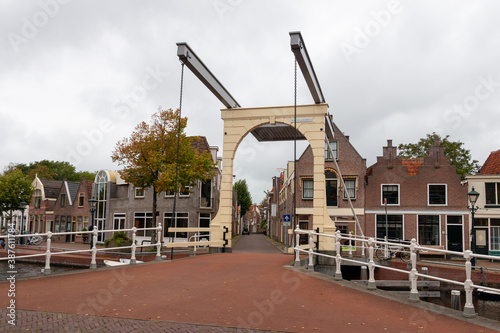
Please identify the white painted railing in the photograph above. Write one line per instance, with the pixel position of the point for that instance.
(93, 264)
(413, 274)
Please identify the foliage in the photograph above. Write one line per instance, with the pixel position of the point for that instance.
(55, 170)
(244, 197)
(459, 156)
(118, 238)
(149, 156)
(15, 188)
(263, 224)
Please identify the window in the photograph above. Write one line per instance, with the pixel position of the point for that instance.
(81, 199)
(436, 194)
(495, 234)
(328, 155)
(393, 225)
(181, 221)
(79, 222)
(307, 189)
(56, 224)
(38, 198)
(492, 193)
(206, 194)
(350, 187)
(119, 221)
(144, 220)
(331, 188)
(62, 200)
(169, 193)
(428, 230)
(139, 192)
(204, 222)
(391, 193)
(184, 191)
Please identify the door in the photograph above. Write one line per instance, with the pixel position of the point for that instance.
(455, 237)
(482, 241)
(68, 229)
(331, 193)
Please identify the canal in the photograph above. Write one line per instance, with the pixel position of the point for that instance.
(29, 270)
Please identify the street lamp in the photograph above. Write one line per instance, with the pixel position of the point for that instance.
(92, 202)
(473, 195)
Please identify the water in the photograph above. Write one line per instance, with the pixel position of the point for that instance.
(29, 270)
(484, 308)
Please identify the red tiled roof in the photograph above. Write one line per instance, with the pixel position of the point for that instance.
(492, 164)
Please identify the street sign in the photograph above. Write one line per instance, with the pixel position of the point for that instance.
(287, 221)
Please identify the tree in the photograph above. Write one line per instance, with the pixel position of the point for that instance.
(149, 157)
(15, 188)
(56, 170)
(244, 197)
(459, 156)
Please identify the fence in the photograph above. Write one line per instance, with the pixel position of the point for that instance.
(412, 247)
(93, 264)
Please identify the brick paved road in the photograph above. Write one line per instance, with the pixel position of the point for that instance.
(34, 321)
(254, 243)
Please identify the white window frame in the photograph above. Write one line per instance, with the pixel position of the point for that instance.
(354, 188)
(382, 194)
(123, 220)
(335, 151)
(402, 223)
(445, 190)
(419, 241)
(139, 189)
(211, 194)
(303, 188)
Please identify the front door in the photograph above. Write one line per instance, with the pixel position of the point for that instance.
(68, 229)
(482, 241)
(455, 238)
(331, 193)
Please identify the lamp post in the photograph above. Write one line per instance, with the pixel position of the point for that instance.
(92, 202)
(473, 195)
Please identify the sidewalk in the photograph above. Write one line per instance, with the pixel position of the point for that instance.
(245, 290)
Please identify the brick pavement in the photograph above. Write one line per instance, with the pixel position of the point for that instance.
(35, 321)
(222, 291)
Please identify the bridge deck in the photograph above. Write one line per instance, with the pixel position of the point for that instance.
(246, 290)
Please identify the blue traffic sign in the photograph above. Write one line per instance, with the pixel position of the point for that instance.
(287, 221)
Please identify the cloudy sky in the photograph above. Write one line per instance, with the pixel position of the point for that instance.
(77, 76)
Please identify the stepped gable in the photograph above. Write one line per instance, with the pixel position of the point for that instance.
(492, 164)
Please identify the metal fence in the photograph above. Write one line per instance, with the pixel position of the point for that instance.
(412, 247)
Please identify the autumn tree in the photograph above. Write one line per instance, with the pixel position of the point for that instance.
(149, 157)
(459, 156)
(15, 190)
(243, 195)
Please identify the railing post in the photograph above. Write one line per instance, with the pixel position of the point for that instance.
(469, 311)
(413, 274)
(310, 266)
(47, 269)
(93, 263)
(350, 245)
(158, 244)
(363, 249)
(297, 248)
(371, 266)
(338, 258)
(133, 260)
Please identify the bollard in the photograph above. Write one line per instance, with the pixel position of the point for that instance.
(158, 244)
(93, 263)
(455, 300)
(133, 260)
(413, 274)
(364, 273)
(338, 258)
(371, 266)
(47, 269)
(297, 252)
(310, 266)
(469, 311)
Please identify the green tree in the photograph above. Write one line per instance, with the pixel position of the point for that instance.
(15, 188)
(459, 156)
(55, 170)
(148, 157)
(244, 197)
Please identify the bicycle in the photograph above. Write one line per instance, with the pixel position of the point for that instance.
(392, 251)
(34, 240)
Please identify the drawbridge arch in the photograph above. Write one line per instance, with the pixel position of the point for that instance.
(239, 122)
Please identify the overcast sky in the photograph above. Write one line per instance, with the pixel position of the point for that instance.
(77, 76)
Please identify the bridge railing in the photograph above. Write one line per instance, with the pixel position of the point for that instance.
(10, 245)
(413, 275)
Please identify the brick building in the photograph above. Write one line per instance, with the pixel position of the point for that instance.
(417, 198)
(122, 206)
(352, 169)
(487, 218)
(43, 201)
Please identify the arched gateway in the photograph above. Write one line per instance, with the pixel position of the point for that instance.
(277, 123)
